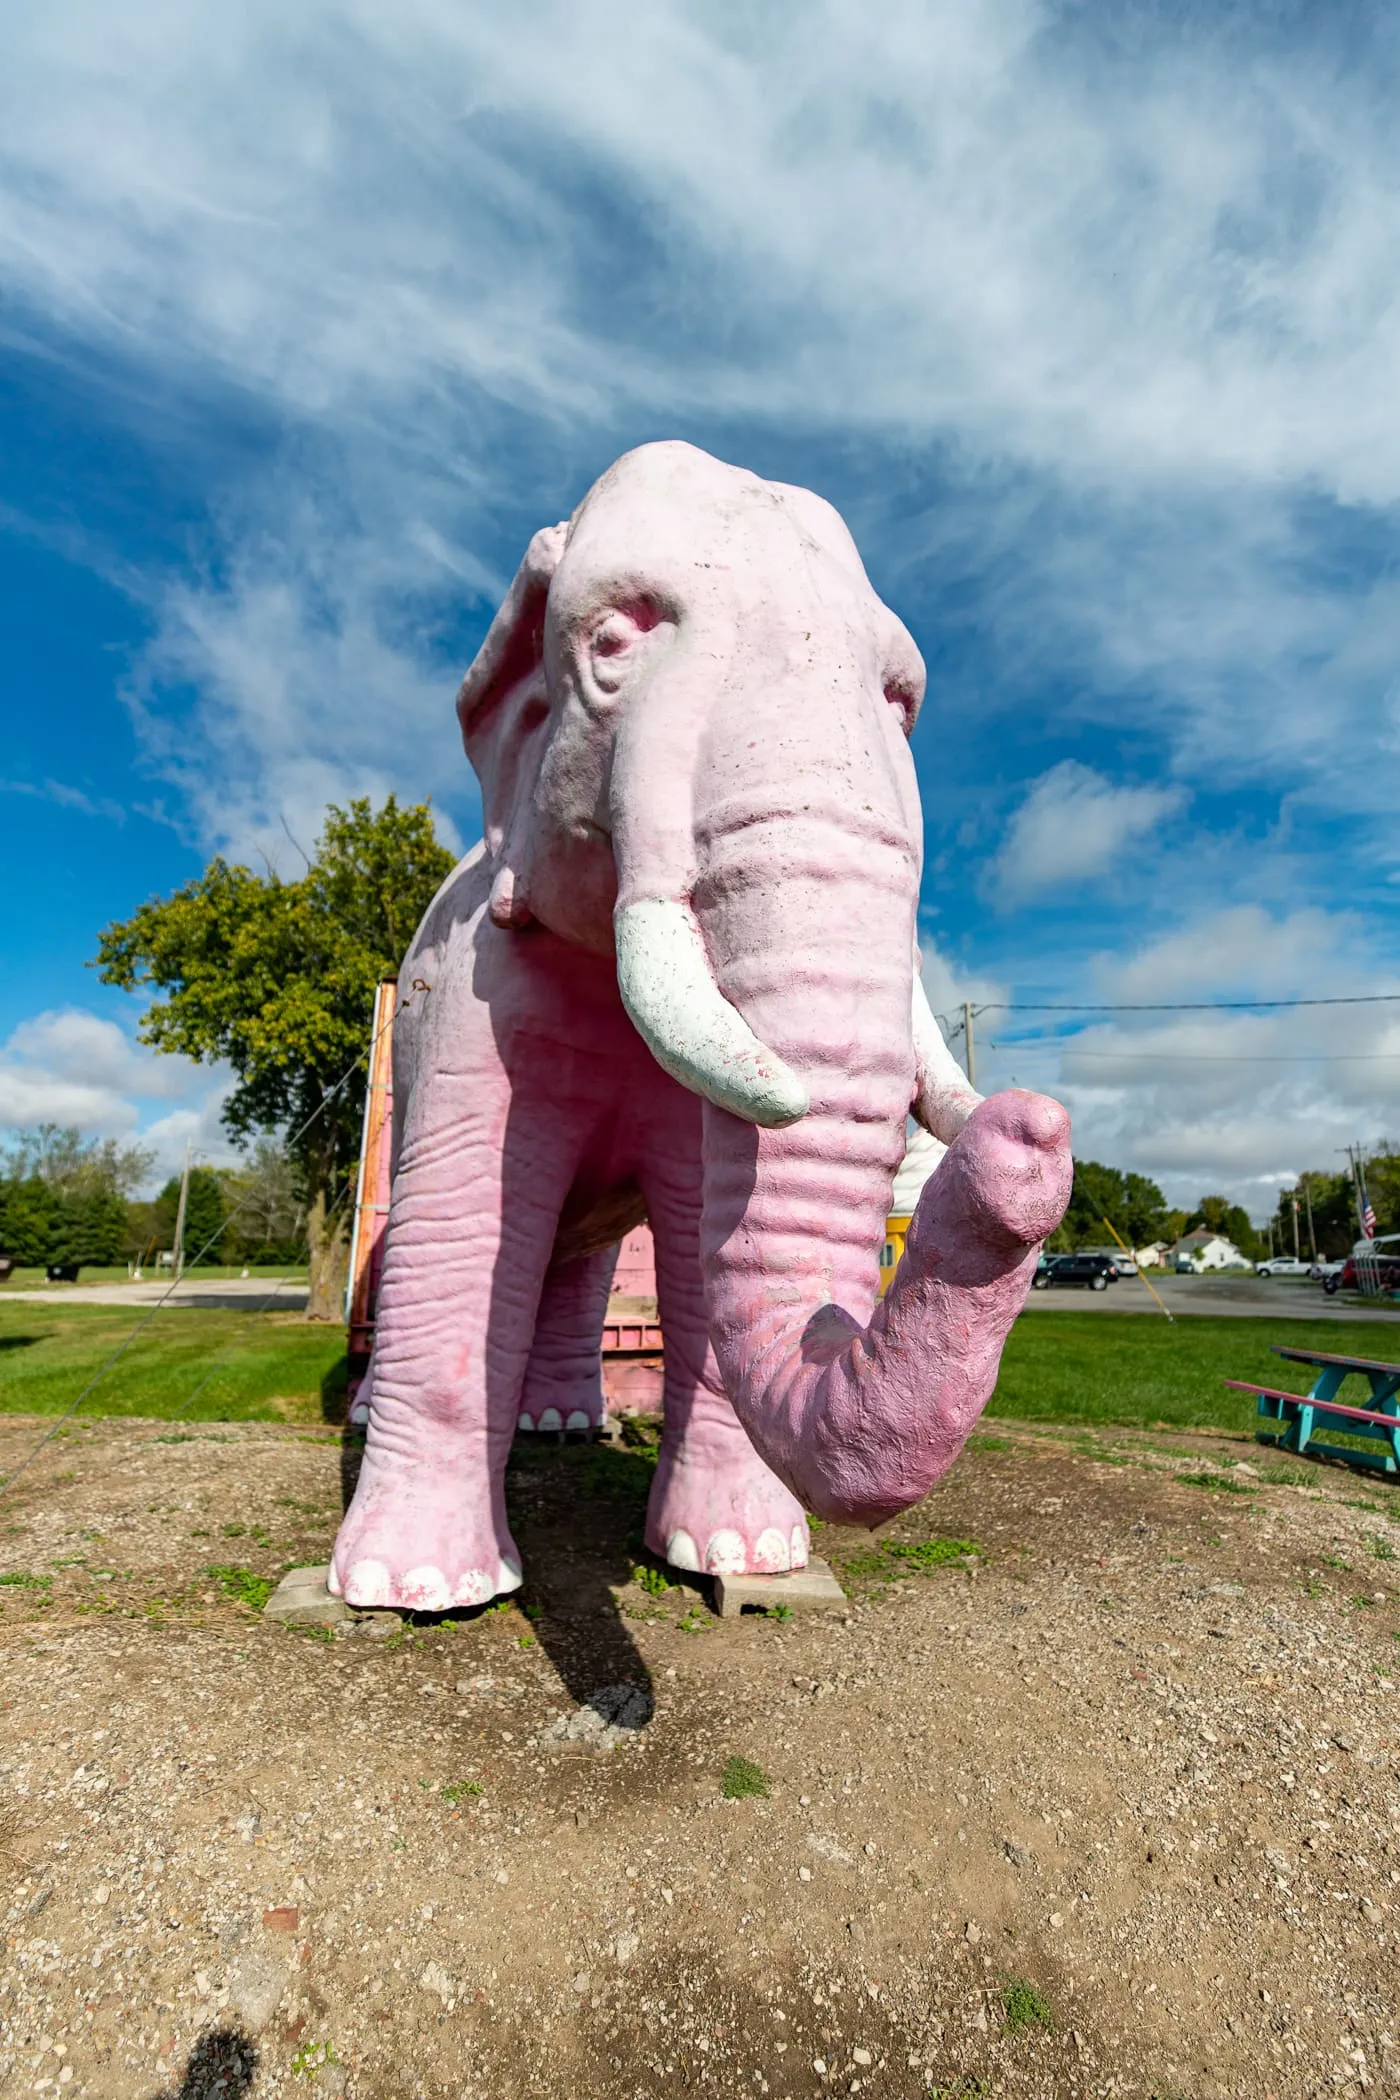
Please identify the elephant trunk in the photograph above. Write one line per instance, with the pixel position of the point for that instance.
(858, 1406)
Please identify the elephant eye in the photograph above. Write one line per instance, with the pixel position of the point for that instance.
(613, 636)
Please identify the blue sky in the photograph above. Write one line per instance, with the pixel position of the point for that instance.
(1084, 316)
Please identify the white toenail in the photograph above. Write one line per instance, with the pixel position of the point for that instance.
(525, 1422)
(473, 1588)
(367, 1583)
(510, 1577)
(680, 1551)
(579, 1420)
(332, 1581)
(551, 1419)
(799, 1546)
(770, 1553)
(725, 1554)
(425, 1589)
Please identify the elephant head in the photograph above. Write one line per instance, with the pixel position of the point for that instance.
(691, 720)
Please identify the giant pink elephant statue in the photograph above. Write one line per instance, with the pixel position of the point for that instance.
(678, 977)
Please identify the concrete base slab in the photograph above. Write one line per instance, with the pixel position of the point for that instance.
(813, 1588)
(302, 1599)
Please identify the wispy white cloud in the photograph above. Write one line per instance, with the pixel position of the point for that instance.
(1074, 824)
(65, 797)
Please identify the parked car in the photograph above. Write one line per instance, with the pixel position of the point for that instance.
(1282, 1265)
(1319, 1271)
(1095, 1271)
(1382, 1272)
(1124, 1264)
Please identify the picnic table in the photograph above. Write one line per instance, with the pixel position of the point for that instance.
(1302, 1414)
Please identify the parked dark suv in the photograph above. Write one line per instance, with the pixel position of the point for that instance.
(1095, 1271)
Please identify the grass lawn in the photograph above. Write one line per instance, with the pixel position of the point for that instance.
(35, 1280)
(1112, 1369)
(1129, 1371)
(269, 1367)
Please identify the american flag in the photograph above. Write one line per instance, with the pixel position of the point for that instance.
(1368, 1219)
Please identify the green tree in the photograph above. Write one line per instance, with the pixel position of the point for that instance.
(63, 1197)
(1102, 1196)
(278, 979)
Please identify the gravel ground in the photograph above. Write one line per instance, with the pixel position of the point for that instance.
(1100, 1798)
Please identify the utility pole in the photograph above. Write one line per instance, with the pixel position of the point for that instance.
(1307, 1198)
(179, 1249)
(1296, 1255)
(967, 1037)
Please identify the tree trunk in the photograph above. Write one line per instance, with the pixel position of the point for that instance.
(329, 1245)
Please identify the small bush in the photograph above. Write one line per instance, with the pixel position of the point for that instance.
(651, 1580)
(743, 1778)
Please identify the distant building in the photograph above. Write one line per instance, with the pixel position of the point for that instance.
(1204, 1249)
(1153, 1255)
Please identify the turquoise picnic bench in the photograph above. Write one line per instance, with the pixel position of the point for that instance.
(1301, 1415)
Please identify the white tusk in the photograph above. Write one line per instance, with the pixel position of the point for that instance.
(943, 1099)
(687, 1023)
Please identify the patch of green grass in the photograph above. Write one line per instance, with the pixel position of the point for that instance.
(781, 1612)
(1024, 2006)
(651, 1580)
(1136, 1370)
(459, 1790)
(243, 1585)
(892, 1558)
(981, 1442)
(21, 1581)
(1380, 1547)
(1215, 1483)
(742, 1778)
(272, 1368)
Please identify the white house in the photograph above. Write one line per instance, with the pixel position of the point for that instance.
(1206, 1250)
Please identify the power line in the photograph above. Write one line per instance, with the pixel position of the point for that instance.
(1174, 1006)
(1205, 1057)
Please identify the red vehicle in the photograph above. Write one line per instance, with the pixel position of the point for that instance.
(1375, 1274)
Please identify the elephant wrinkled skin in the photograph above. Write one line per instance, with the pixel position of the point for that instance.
(678, 979)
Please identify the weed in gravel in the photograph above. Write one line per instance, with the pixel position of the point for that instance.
(1337, 1560)
(781, 1612)
(1380, 1546)
(310, 2057)
(743, 1778)
(21, 1581)
(1215, 1483)
(525, 1640)
(459, 1790)
(1024, 2006)
(893, 1557)
(968, 2087)
(651, 1580)
(693, 1623)
(243, 1585)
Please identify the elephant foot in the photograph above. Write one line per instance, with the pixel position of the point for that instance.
(422, 1537)
(716, 1509)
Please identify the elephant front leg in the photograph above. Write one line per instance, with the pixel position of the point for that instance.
(715, 1507)
(470, 1230)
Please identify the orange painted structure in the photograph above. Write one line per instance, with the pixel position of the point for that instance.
(372, 1185)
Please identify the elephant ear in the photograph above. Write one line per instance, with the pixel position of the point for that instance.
(502, 706)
